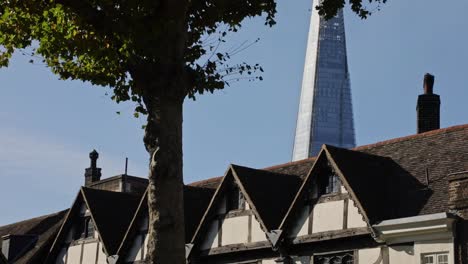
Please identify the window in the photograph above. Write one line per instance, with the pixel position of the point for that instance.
(85, 228)
(435, 258)
(333, 184)
(347, 260)
(235, 199)
(339, 258)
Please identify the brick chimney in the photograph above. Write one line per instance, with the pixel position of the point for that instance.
(428, 108)
(93, 173)
(458, 192)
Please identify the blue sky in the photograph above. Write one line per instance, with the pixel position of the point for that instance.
(49, 126)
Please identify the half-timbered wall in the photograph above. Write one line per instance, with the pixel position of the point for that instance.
(81, 251)
(330, 212)
(233, 227)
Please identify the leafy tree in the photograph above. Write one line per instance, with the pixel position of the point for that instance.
(149, 52)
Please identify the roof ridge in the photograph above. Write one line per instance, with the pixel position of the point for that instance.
(87, 189)
(413, 136)
(201, 182)
(289, 163)
(379, 143)
(42, 217)
(358, 148)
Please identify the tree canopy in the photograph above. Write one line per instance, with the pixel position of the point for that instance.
(105, 42)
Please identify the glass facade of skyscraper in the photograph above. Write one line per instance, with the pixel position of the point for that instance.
(325, 111)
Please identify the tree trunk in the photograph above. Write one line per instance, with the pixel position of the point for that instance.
(163, 138)
(163, 85)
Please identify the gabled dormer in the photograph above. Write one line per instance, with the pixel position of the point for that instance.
(232, 219)
(326, 184)
(94, 227)
(134, 245)
(245, 212)
(329, 203)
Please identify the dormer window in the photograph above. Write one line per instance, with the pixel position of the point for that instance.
(330, 183)
(85, 228)
(333, 185)
(235, 199)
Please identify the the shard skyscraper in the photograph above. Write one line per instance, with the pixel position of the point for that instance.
(325, 113)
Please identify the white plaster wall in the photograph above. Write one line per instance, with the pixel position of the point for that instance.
(343, 189)
(328, 216)
(354, 217)
(371, 256)
(74, 254)
(401, 254)
(102, 257)
(300, 227)
(235, 230)
(257, 232)
(434, 246)
(211, 239)
(134, 253)
(89, 252)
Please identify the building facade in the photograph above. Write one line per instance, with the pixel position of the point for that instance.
(325, 113)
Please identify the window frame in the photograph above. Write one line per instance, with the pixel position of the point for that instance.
(333, 184)
(235, 200)
(82, 231)
(338, 256)
(435, 256)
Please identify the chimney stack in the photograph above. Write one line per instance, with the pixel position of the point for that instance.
(428, 108)
(93, 173)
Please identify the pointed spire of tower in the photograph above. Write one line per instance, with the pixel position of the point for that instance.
(325, 113)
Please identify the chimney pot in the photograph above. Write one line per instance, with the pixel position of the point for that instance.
(93, 173)
(428, 83)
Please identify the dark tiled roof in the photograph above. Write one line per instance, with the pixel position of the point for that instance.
(271, 193)
(112, 213)
(196, 201)
(298, 168)
(438, 153)
(402, 178)
(378, 183)
(45, 227)
(211, 183)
